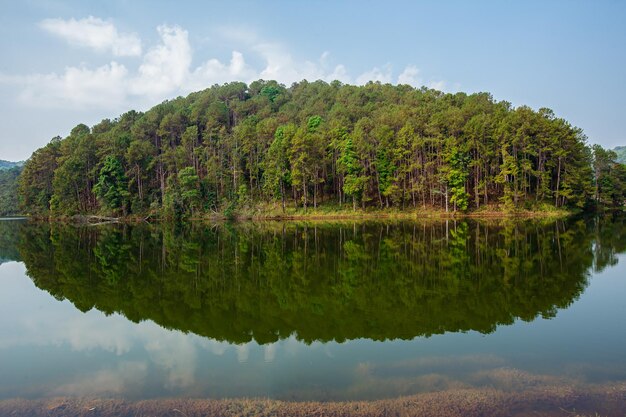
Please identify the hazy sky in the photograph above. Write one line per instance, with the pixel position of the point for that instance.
(70, 62)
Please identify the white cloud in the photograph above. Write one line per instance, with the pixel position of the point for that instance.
(103, 87)
(280, 65)
(94, 33)
(437, 85)
(411, 76)
(382, 75)
(340, 74)
(166, 68)
(215, 72)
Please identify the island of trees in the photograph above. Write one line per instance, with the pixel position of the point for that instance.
(238, 148)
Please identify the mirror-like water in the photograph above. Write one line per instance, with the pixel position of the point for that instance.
(340, 310)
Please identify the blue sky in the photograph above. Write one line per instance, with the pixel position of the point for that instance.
(67, 62)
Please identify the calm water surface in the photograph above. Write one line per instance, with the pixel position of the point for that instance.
(341, 310)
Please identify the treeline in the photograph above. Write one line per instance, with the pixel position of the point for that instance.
(232, 147)
(8, 164)
(9, 202)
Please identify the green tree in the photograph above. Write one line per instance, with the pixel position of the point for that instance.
(456, 178)
(407, 147)
(276, 168)
(190, 188)
(112, 186)
(353, 182)
(35, 184)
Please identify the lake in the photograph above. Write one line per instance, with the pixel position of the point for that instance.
(341, 310)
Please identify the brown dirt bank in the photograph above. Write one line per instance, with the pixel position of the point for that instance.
(605, 400)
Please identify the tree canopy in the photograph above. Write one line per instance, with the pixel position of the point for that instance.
(9, 203)
(233, 146)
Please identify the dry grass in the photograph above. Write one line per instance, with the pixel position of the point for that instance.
(542, 401)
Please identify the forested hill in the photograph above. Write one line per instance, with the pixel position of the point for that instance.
(9, 203)
(621, 154)
(8, 164)
(235, 147)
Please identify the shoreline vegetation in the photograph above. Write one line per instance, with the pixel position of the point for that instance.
(274, 213)
(544, 400)
(329, 149)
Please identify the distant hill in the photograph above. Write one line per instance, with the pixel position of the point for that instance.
(9, 201)
(8, 164)
(621, 154)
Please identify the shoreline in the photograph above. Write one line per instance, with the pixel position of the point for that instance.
(323, 212)
(314, 215)
(545, 401)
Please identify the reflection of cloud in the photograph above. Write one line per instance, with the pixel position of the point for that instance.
(243, 351)
(328, 351)
(434, 373)
(214, 346)
(83, 335)
(363, 369)
(447, 362)
(174, 352)
(291, 345)
(106, 381)
(269, 352)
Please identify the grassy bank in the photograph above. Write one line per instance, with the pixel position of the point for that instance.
(273, 211)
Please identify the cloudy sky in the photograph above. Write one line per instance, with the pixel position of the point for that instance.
(67, 62)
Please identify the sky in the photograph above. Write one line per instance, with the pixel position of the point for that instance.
(68, 62)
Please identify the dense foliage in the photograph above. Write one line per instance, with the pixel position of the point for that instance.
(337, 281)
(9, 203)
(232, 147)
(609, 178)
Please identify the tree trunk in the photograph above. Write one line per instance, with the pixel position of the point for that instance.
(282, 194)
(558, 183)
(315, 192)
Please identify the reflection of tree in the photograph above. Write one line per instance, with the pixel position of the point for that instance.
(323, 282)
(112, 256)
(609, 241)
(9, 234)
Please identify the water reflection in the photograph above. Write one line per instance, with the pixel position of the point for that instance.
(265, 282)
(288, 310)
